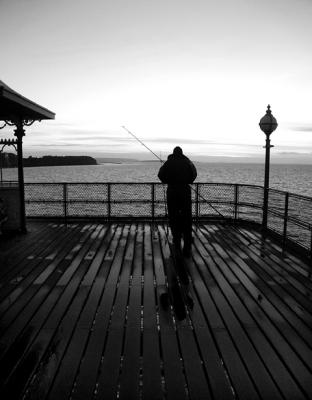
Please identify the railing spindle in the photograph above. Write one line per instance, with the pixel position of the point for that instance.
(108, 200)
(235, 201)
(311, 246)
(285, 219)
(65, 200)
(153, 200)
(197, 201)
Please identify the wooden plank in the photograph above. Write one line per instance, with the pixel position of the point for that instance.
(217, 375)
(152, 379)
(107, 383)
(266, 352)
(293, 265)
(173, 372)
(277, 282)
(195, 375)
(86, 379)
(297, 354)
(130, 373)
(71, 301)
(237, 322)
(237, 371)
(295, 283)
(19, 294)
(68, 365)
(273, 297)
(14, 249)
(37, 303)
(83, 335)
(23, 264)
(36, 246)
(46, 333)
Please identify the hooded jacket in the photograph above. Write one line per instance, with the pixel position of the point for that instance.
(177, 170)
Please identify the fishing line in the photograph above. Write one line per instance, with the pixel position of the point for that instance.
(150, 150)
(196, 191)
(161, 161)
(143, 144)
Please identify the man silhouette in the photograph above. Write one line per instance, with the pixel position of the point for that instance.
(178, 172)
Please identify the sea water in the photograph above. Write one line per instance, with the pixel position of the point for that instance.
(291, 178)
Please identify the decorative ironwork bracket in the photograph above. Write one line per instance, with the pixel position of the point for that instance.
(8, 142)
(27, 122)
(23, 122)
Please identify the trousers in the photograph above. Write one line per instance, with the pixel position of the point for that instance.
(179, 203)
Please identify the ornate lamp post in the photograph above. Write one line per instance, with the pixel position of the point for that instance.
(267, 124)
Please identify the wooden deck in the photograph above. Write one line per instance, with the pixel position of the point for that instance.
(81, 317)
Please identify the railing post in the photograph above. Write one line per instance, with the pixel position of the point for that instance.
(266, 183)
(153, 200)
(19, 132)
(236, 201)
(65, 195)
(311, 248)
(285, 219)
(197, 202)
(108, 201)
(265, 208)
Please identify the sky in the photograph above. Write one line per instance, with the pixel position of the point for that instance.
(194, 73)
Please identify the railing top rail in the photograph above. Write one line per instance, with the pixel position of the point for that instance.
(8, 183)
(291, 193)
(138, 183)
(272, 190)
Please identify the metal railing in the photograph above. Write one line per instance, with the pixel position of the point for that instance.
(289, 215)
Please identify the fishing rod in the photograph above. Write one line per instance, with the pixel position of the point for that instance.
(150, 150)
(197, 194)
(142, 143)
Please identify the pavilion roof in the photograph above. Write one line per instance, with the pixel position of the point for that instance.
(13, 105)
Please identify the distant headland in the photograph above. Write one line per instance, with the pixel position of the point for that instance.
(9, 160)
(58, 160)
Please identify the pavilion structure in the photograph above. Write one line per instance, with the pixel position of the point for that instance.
(19, 112)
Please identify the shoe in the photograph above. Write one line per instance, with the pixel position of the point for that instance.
(187, 252)
(187, 248)
(177, 244)
(183, 276)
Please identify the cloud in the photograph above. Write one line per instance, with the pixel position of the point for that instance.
(194, 141)
(98, 138)
(293, 153)
(178, 140)
(49, 145)
(302, 128)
